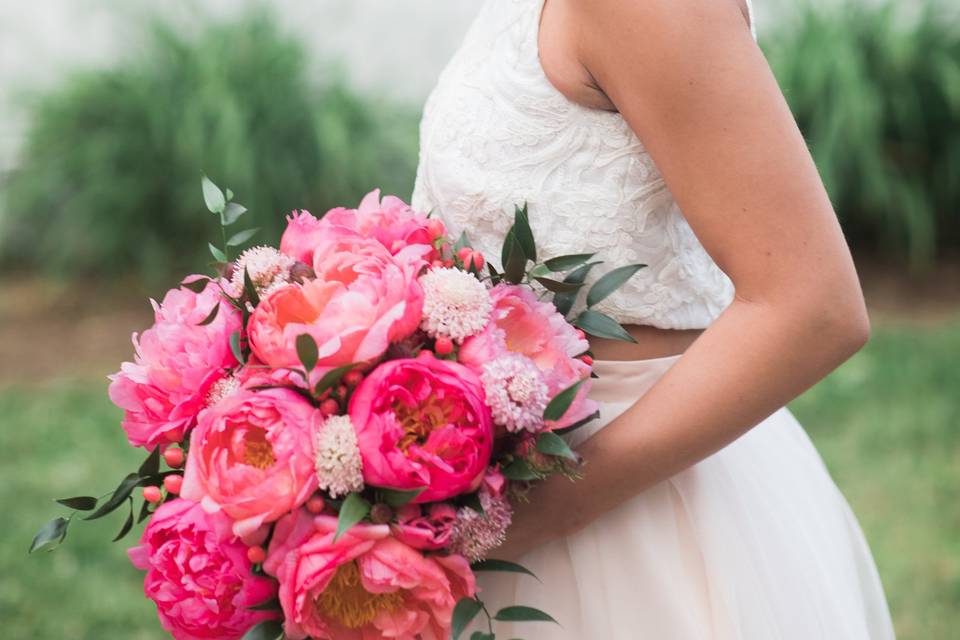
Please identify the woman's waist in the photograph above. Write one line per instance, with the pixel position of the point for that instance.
(651, 343)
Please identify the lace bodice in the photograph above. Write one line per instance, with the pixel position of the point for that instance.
(496, 132)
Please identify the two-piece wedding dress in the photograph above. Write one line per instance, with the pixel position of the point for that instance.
(755, 542)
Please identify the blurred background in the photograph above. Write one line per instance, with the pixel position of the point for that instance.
(110, 111)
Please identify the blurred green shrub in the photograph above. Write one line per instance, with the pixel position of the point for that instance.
(875, 87)
(109, 174)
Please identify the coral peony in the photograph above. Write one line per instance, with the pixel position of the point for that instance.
(522, 324)
(427, 527)
(422, 423)
(251, 455)
(362, 299)
(365, 585)
(198, 574)
(177, 361)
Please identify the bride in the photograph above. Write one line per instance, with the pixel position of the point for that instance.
(704, 510)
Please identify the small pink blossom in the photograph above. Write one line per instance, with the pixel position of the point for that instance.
(428, 527)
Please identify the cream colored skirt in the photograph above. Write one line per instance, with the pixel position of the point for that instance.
(755, 542)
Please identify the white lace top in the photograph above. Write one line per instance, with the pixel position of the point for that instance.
(496, 133)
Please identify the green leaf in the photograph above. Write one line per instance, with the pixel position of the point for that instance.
(553, 445)
(521, 225)
(514, 261)
(232, 213)
(480, 635)
(559, 287)
(562, 263)
(494, 274)
(332, 378)
(121, 493)
(519, 470)
(564, 301)
(249, 289)
(80, 503)
(150, 466)
(463, 614)
(270, 604)
(127, 525)
(492, 564)
(228, 192)
(473, 501)
(397, 498)
(217, 254)
(462, 242)
(602, 326)
(267, 630)
(307, 351)
(235, 347)
(240, 237)
(210, 316)
(523, 614)
(610, 282)
(145, 512)
(196, 285)
(561, 402)
(50, 535)
(577, 425)
(212, 196)
(353, 510)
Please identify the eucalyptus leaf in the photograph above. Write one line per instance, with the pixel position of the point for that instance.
(521, 225)
(127, 524)
(80, 503)
(121, 493)
(397, 498)
(559, 287)
(212, 196)
(564, 301)
(492, 564)
(197, 285)
(235, 347)
(266, 630)
(50, 535)
(210, 316)
(232, 213)
(463, 614)
(217, 254)
(150, 466)
(578, 424)
(519, 470)
(353, 510)
(553, 445)
(559, 404)
(307, 351)
(610, 282)
(562, 263)
(523, 614)
(240, 237)
(602, 326)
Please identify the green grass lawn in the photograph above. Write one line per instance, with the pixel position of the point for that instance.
(886, 422)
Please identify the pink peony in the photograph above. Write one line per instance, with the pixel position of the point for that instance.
(391, 222)
(251, 455)
(177, 360)
(198, 574)
(428, 527)
(365, 586)
(422, 423)
(362, 299)
(522, 324)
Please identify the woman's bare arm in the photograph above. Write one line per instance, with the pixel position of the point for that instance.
(691, 82)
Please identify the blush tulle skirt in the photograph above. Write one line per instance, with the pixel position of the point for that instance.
(755, 543)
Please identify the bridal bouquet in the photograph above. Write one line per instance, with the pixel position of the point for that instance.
(338, 428)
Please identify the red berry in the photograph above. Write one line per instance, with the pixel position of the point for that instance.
(436, 227)
(581, 334)
(353, 377)
(444, 346)
(448, 263)
(477, 259)
(329, 407)
(586, 358)
(315, 505)
(256, 554)
(173, 483)
(464, 254)
(152, 494)
(436, 264)
(173, 458)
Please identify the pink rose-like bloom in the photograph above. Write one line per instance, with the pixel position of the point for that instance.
(363, 298)
(422, 423)
(177, 360)
(365, 586)
(251, 455)
(198, 574)
(429, 527)
(522, 324)
(391, 222)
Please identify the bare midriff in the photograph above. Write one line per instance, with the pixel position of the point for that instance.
(651, 343)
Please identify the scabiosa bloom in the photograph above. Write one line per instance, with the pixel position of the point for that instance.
(221, 389)
(338, 463)
(516, 392)
(268, 268)
(477, 534)
(455, 303)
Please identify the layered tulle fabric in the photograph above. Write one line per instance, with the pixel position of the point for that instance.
(754, 543)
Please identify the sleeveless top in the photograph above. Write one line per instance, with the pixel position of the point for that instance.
(496, 133)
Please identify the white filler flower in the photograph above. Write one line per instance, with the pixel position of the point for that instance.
(338, 464)
(455, 303)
